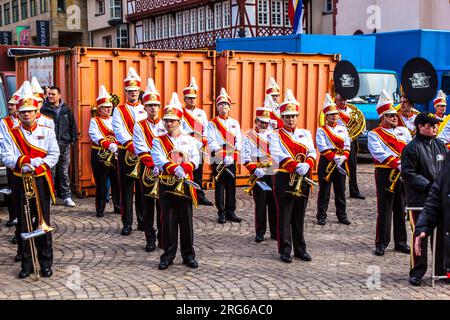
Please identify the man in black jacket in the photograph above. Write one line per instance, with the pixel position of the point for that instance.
(436, 213)
(66, 135)
(422, 159)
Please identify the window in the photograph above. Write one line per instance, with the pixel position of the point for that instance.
(186, 23)
(24, 8)
(145, 30)
(62, 5)
(276, 13)
(328, 6)
(287, 21)
(1, 16)
(15, 10)
(218, 15)
(151, 27)
(6, 14)
(158, 28)
(100, 7)
(44, 6)
(194, 21)
(179, 23)
(263, 12)
(209, 19)
(33, 10)
(115, 9)
(226, 15)
(122, 36)
(107, 42)
(165, 27)
(201, 19)
(172, 26)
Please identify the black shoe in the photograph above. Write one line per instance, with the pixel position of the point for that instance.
(344, 221)
(46, 272)
(379, 252)
(126, 231)
(303, 256)
(14, 240)
(9, 224)
(99, 214)
(150, 246)
(403, 248)
(222, 219)
(24, 274)
(415, 281)
(117, 210)
(259, 238)
(18, 258)
(204, 201)
(321, 221)
(357, 196)
(140, 227)
(191, 263)
(233, 217)
(286, 258)
(164, 264)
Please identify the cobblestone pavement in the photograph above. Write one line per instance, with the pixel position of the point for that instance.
(92, 260)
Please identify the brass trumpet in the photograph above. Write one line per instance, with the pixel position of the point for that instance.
(223, 167)
(329, 170)
(107, 156)
(393, 178)
(132, 160)
(150, 181)
(254, 179)
(178, 157)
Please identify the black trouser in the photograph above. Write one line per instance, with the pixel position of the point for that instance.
(353, 178)
(198, 177)
(225, 191)
(126, 193)
(323, 199)
(149, 213)
(291, 215)
(265, 202)
(44, 242)
(176, 211)
(9, 198)
(101, 174)
(390, 207)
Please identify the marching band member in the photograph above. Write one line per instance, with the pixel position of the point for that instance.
(440, 105)
(31, 147)
(104, 147)
(344, 120)
(273, 90)
(123, 120)
(293, 150)
(38, 94)
(333, 144)
(224, 142)
(144, 132)
(195, 123)
(175, 157)
(256, 157)
(386, 144)
(407, 114)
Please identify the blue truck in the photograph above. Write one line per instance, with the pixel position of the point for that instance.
(359, 50)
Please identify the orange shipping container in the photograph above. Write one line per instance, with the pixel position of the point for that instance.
(79, 72)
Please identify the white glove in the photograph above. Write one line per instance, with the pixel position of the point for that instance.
(302, 168)
(339, 159)
(228, 160)
(179, 172)
(259, 172)
(156, 171)
(27, 168)
(36, 162)
(112, 147)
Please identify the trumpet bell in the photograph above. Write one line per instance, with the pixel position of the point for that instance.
(135, 173)
(179, 190)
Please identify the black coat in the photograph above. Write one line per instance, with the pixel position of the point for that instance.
(421, 161)
(65, 126)
(437, 212)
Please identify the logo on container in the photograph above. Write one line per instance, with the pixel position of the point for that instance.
(420, 80)
(347, 81)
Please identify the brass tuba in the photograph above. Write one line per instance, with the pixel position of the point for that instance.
(355, 126)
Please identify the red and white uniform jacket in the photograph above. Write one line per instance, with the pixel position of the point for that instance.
(275, 119)
(386, 145)
(333, 140)
(100, 130)
(407, 122)
(195, 123)
(24, 144)
(255, 148)
(123, 120)
(7, 123)
(291, 147)
(44, 120)
(224, 135)
(144, 133)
